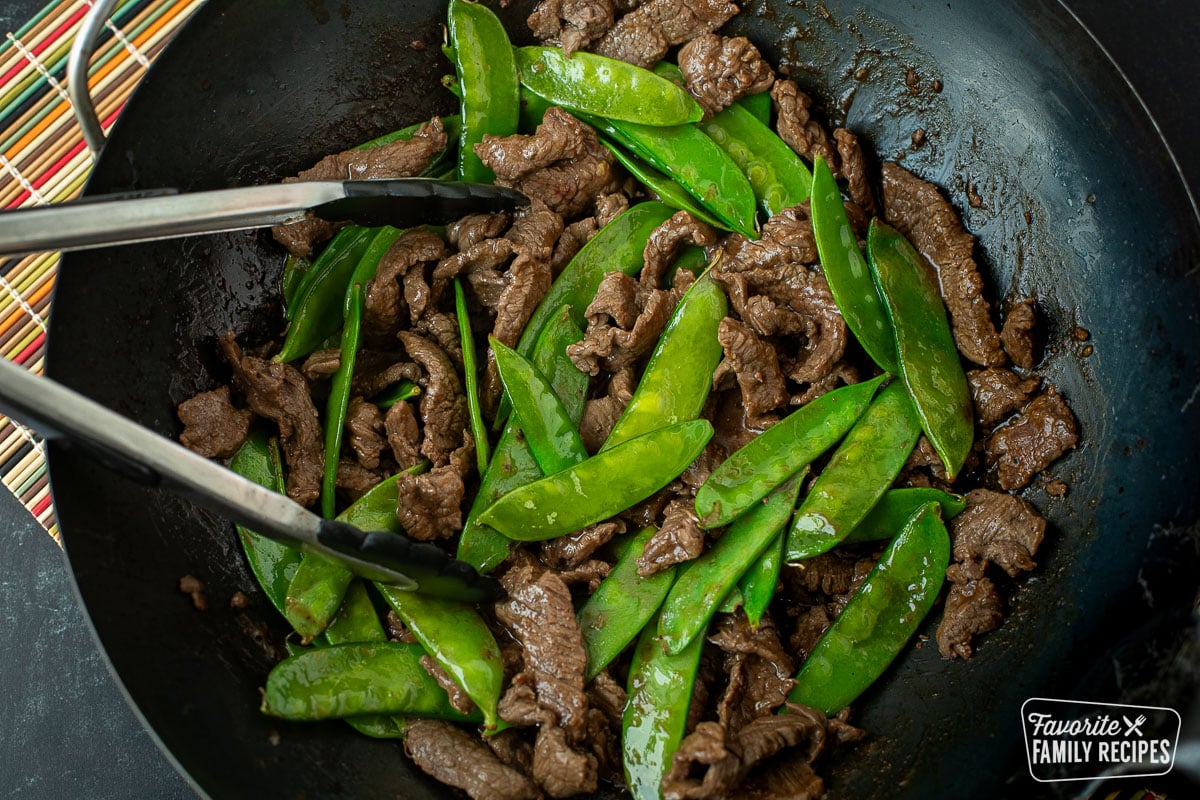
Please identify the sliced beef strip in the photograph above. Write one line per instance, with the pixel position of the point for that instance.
(999, 528)
(796, 126)
(1032, 441)
(513, 749)
(998, 392)
(279, 392)
(535, 231)
(385, 299)
(783, 779)
(644, 35)
(525, 285)
(519, 704)
(212, 426)
(719, 70)
(374, 370)
(606, 694)
(574, 237)
(459, 700)
(403, 435)
(625, 319)
(590, 572)
(567, 552)
(919, 211)
(854, 170)
(399, 159)
(972, 608)
(756, 365)
(443, 404)
(458, 759)
(680, 538)
(668, 240)
(364, 424)
(354, 480)
(480, 264)
(574, 24)
(442, 328)
(759, 670)
(429, 505)
(559, 769)
(539, 613)
(600, 414)
(465, 233)
(609, 207)
(1018, 335)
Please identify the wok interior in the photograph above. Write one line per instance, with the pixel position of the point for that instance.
(254, 90)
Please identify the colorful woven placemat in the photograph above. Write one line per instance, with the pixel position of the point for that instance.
(43, 159)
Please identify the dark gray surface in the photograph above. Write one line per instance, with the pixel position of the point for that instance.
(64, 727)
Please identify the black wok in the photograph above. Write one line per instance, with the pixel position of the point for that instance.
(1082, 207)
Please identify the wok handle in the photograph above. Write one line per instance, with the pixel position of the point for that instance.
(80, 58)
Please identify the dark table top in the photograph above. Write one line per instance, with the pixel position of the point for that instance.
(65, 730)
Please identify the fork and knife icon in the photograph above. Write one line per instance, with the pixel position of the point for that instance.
(1134, 726)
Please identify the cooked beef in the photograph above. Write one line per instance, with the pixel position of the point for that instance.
(354, 480)
(212, 426)
(783, 779)
(574, 24)
(513, 749)
(719, 70)
(609, 207)
(972, 608)
(1018, 334)
(562, 164)
(854, 170)
(997, 528)
(403, 435)
(756, 365)
(535, 231)
(459, 700)
(364, 423)
(474, 228)
(811, 624)
(999, 392)
(279, 392)
(384, 299)
(1032, 441)
(400, 159)
(567, 552)
(679, 539)
(644, 35)
(459, 759)
(519, 704)
(794, 122)
(574, 237)
(829, 573)
(539, 613)
(919, 211)
(601, 414)
(443, 404)
(606, 694)
(668, 240)
(525, 285)
(625, 319)
(480, 264)
(429, 505)
(760, 670)
(589, 572)
(374, 370)
(560, 770)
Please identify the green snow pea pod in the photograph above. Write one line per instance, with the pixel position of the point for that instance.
(273, 563)
(295, 269)
(317, 309)
(512, 463)
(458, 639)
(678, 377)
(533, 110)
(929, 361)
(705, 582)
(551, 435)
(668, 191)
(781, 451)
(621, 606)
(688, 156)
(339, 397)
(880, 618)
(599, 487)
(660, 692)
(471, 378)
(760, 581)
(732, 602)
(847, 272)
(778, 176)
(759, 105)
(897, 505)
(487, 75)
(857, 475)
(350, 680)
(404, 390)
(594, 84)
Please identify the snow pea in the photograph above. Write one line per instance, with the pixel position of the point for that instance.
(897, 505)
(759, 583)
(781, 451)
(512, 464)
(689, 157)
(593, 84)
(404, 390)
(667, 190)
(551, 435)
(621, 606)
(601, 486)
(678, 377)
(273, 563)
(457, 638)
(929, 360)
(351, 680)
(339, 397)
(321, 295)
(732, 602)
(778, 176)
(471, 378)
(487, 76)
(857, 475)
(655, 718)
(295, 269)
(705, 582)
(880, 618)
(759, 105)
(847, 272)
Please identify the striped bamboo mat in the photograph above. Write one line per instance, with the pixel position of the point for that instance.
(43, 159)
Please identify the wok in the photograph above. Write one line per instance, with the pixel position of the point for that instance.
(1081, 207)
